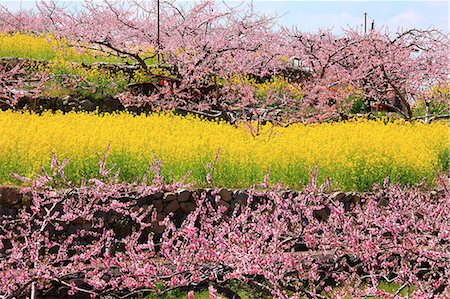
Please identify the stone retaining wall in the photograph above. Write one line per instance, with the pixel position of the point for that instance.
(182, 202)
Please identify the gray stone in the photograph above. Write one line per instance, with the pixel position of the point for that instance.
(72, 105)
(66, 100)
(88, 105)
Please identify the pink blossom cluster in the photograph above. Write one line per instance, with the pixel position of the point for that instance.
(378, 65)
(284, 244)
(16, 83)
(206, 45)
(10, 85)
(25, 21)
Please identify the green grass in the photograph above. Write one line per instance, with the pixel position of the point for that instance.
(245, 292)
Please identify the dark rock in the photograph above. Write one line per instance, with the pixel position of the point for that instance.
(26, 200)
(170, 196)
(172, 206)
(72, 229)
(100, 214)
(241, 198)
(338, 196)
(114, 217)
(226, 194)
(87, 105)
(383, 202)
(259, 199)
(125, 199)
(158, 205)
(146, 200)
(10, 196)
(187, 207)
(347, 206)
(225, 204)
(178, 218)
(184, 195)
(300, 247)
(122, 228)
(322, 214)
(8, 212)
(158, 195)
(157, 228)
(79, 283)
(351, 197)
(72, 105)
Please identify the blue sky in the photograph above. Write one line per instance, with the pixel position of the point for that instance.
(312, 15)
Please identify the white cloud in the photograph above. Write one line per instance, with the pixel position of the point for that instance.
(312, 22)
(405, 19)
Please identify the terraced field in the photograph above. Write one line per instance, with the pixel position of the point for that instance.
(155, 151)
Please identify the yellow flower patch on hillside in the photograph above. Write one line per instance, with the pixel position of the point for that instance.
(355, 154)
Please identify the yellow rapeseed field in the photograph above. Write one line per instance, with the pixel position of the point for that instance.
(355, 154)
(45, 47)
